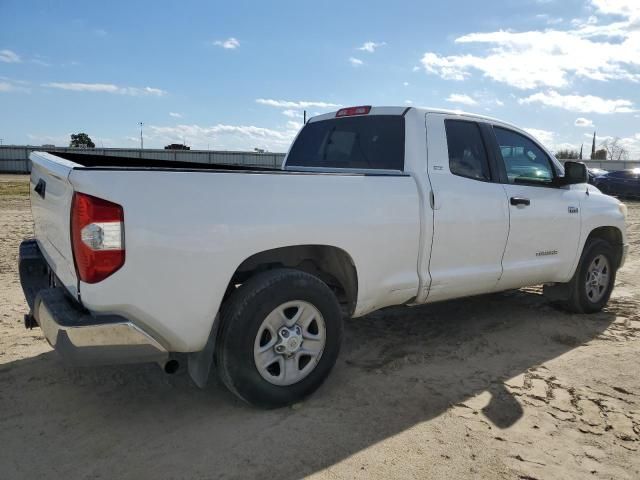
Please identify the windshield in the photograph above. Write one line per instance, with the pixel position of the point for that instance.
(363, 142)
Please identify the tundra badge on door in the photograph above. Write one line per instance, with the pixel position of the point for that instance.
(573, 209)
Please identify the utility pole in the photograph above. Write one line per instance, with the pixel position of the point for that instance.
(141, 140)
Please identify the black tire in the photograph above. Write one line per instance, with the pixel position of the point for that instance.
(241, 316)
(579, 301)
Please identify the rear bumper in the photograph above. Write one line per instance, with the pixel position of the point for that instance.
(78, 336)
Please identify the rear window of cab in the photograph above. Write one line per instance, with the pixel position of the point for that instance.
(373, 142)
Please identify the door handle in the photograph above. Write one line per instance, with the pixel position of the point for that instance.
(520, 201)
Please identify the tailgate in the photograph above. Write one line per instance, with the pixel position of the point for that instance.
(51, 195)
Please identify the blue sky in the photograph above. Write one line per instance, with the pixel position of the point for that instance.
(237, 75)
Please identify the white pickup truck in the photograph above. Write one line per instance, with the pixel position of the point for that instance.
(251, 271)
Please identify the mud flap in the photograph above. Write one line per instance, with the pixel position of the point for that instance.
(200, 363)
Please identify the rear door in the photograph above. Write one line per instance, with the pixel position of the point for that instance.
(544, 230)
(470, 214)
(51, 195)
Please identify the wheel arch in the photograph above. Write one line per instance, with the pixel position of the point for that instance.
(610, 234)
(331, 264)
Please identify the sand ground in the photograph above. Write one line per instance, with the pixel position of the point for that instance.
(501, 386)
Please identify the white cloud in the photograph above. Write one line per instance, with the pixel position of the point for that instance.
(579, 103)
(39, 61)
(292, 113)
(544, 136)
(9, 56)
(105, 88)
(356, 62)
(500, 103)
(550, 58)
(461, 99)
(230, 43)
(406, 84)
(222, 136)
(175, 114)
(371, 46)
(632, 144)
(583, 122)
(623, 8)
(8, 86)
(291, 104)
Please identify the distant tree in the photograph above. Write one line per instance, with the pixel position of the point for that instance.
(177, 146)
(567, 154)
(614, 150)
(600, 154)
(81, 140)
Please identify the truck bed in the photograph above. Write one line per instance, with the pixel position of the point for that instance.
(105, 161)
(189, 227)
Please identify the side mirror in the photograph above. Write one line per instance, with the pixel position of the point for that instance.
(574, 172)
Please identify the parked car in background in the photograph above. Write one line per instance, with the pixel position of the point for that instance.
(598, 172)
(623, 183)
(594, 173)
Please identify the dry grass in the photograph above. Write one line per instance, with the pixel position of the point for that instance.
(14, 186)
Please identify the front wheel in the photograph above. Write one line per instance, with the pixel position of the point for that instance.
(280, 337)
(591, 285)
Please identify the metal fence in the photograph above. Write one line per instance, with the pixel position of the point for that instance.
(15, 158)
(612, 165)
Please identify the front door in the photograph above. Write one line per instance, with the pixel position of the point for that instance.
(544, 219)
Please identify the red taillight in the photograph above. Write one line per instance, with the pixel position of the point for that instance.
(97, 237)
(347, 112)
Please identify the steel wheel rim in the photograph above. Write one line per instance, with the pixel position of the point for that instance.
(597, 278)
(289, 343)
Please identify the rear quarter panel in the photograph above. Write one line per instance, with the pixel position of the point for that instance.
(187, 232)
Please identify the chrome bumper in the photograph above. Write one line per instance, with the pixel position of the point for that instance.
(78, 336)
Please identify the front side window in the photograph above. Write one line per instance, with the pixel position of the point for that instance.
(524, 161)
(362, 142)
(467, 155)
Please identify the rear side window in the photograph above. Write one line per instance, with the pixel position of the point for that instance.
(467, 154)
(364, 142)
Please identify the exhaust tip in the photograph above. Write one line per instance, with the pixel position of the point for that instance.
(171, 367)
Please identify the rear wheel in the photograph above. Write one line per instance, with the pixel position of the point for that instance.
(280, 336)
(591, 285)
